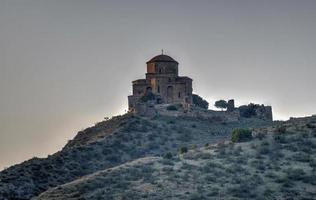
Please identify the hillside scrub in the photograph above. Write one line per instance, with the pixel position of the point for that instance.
(223, 171)
(111, 143)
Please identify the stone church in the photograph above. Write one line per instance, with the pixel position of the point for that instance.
(163, 83)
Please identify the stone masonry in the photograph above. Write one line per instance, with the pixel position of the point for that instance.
(163, 83)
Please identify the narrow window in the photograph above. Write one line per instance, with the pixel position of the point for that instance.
(158, 89)
(169, 79)
(159, 71)
(179, 95)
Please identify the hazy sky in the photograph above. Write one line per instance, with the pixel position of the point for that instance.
(66, 64)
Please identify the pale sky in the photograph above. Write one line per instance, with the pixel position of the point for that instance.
(66, 64)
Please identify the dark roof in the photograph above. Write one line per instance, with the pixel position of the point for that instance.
(162, 58)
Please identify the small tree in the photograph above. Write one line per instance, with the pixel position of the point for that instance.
(199, 101)
(222, 104)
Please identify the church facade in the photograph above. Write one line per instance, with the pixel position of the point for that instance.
(163, 83)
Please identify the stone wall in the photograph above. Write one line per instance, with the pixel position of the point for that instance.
(151, 109)
(196, 112)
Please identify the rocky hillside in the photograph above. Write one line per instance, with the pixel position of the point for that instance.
(111, 143)
(279, 162)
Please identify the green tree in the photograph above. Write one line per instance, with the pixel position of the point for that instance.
(222, 104)
(199, 101)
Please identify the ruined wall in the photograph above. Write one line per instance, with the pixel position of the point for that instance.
(264, 112)
(211, 115)
(146, 109)
(256, 111)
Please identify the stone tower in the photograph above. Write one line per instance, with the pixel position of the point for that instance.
(163, 81)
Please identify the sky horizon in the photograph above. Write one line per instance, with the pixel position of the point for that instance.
(65, 65)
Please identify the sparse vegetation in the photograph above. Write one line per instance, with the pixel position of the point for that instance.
(168, 155)
(183, 150)
(121, 167)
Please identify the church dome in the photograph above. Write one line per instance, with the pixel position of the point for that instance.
(161, 58)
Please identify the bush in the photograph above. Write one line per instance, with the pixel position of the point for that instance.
(264, 150)
(172, 108)
(302, 157)
(199, 101)
(168, 155)
(261, 136)
(281, 129)
(280, 138)
(312, 164)
(183, 150)
(295, 174)
(311, 126)
(241, 135)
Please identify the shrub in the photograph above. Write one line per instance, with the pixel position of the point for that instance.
(261, 136)
(302, 157)
(172, 108)
(280, 138)
(243, 190)
(310, 179)
(281, 129)
(168, 155)
(264, 150)
(295, 174)
(167, 162)
(199, 101)
(311, 126)
(183, 150)
(185, 137)
(241, 135)
(312, 164)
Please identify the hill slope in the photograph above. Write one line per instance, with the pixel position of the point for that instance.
(111, 143)
(279, 163)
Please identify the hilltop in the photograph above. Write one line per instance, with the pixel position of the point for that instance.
(278, 163)
(114, 142)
